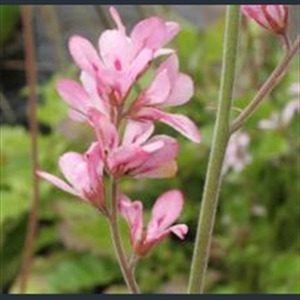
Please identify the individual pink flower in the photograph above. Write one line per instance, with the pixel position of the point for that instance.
(165, 211)
(137, 154)
(84, 176)
(169, 88)
(272, 17)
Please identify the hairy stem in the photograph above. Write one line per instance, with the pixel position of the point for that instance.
(30, 69)
(220, 139)
(113, 221)
(267, 87)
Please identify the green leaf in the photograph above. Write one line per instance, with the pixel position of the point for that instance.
(9, 16)
(85, 229)
(68, 272)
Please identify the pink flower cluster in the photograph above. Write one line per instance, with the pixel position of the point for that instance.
(124, 124)
(272, 17)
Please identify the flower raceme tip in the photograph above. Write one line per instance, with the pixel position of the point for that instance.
(108, 74)
(272, 17)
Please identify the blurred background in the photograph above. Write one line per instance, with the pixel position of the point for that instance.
(255, 247)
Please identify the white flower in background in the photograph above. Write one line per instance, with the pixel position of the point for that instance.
(293, 106)
(273, 122)
(236, 156)
(294, 89)
(282, 119)
(290, 110)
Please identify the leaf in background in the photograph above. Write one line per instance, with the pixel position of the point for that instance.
(68, 272)
(12, 240)
(13, 206)
(84, 229)
(271, 145)
(282, 274)
(15, 173)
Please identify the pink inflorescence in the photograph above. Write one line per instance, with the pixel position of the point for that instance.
(123, 121)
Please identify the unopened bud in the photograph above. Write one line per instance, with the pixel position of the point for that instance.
(272, 17)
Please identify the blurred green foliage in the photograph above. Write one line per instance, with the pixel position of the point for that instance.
(256, 241)
(9, 16)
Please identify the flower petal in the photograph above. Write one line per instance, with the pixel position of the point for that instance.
(182, 85)
(165, 211)
(116, 17)
(133, 214)
(158, 91)
(58, 183)
(165, 170)
(138, 66)
(116, 50)
(74, 168)
(94, 166)
(84, 54)
(255, 12)
(182, 91)
(172, 29)
(163, 51)
(149, 33)
(179, 122)
(158, 161)
(171, 65)
(73, 93)
(125, 159)
(76, 116)
(95, 91)
(137, 132)
(106, 131)
(180, 230)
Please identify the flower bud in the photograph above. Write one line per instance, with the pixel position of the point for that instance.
(272, 17)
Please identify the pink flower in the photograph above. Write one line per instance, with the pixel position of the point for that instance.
(272, 17)
(121, 59)
(136, 155)
(84, 176)
(169, 88)
(109, 73)
(165, 211)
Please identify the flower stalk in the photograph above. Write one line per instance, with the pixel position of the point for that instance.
(267, 87)
(220, 139)
(119, 250)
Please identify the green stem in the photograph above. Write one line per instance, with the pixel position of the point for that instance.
(267, 87)
(113, 221)
(220, 139)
